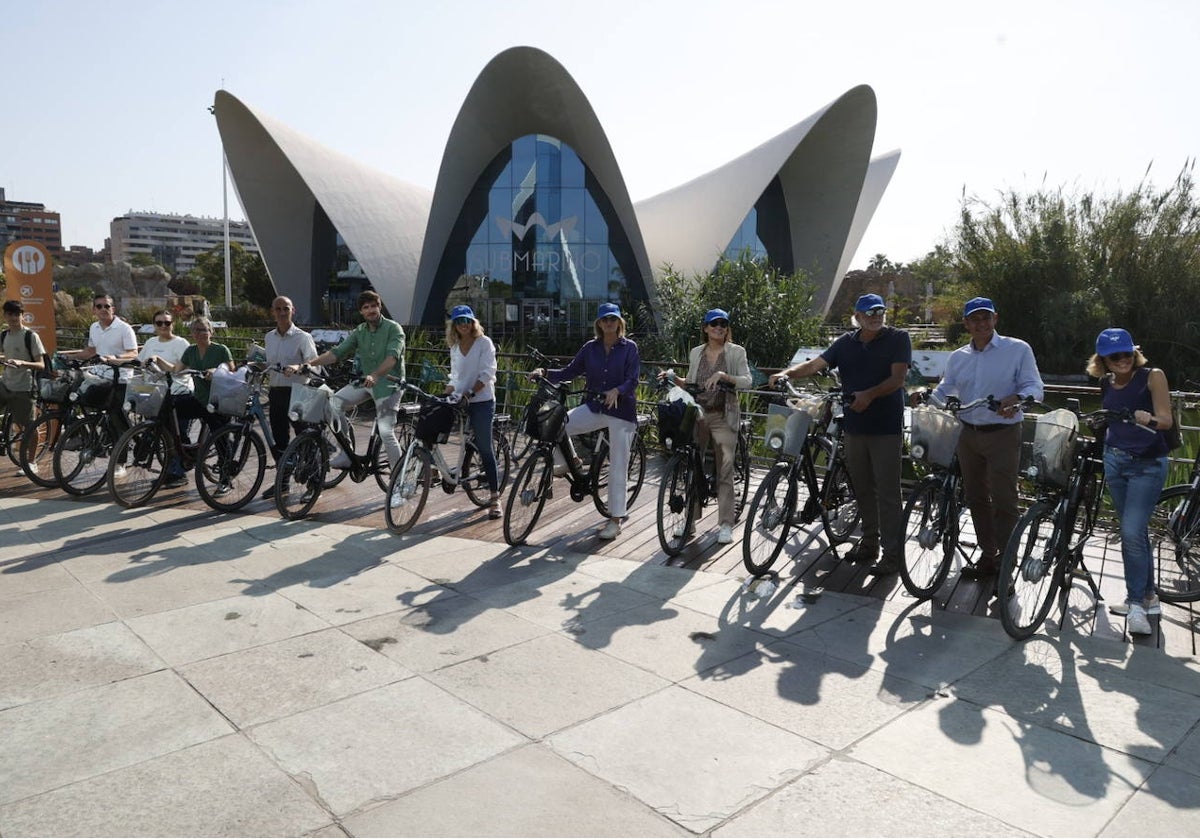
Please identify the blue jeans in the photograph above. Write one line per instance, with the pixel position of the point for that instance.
(481, 415)
(1135, 484)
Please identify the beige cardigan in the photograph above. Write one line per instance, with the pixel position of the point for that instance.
(735, 361)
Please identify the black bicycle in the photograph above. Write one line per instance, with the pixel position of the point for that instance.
(689, 479)
(1045, 553)
(81, 455)
(809, 480)
(936, 510)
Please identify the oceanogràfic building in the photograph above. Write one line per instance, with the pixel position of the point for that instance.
(530, 218)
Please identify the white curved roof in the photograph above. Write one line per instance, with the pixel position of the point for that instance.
(399, 232)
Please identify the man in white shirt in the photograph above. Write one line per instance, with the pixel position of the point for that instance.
(113, 340)
(989, 451)
(290, 346)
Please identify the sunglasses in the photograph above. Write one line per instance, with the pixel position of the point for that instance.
(722, 324)
(876, 310)
(102, 306)
(1118, 357)
(610, 318)
(458, 322)
(162, 323)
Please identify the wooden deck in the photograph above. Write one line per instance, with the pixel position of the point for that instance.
(808, 566)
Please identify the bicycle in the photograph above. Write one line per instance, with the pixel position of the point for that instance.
(302, 470)
(936, 510)
(689, 480)
(55, 411)
(81, 454)
(409, 486)
(1174, 535)
(1045, 553)
(803, 433)
(142, 456)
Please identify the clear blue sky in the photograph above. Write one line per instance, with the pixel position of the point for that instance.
(109, 106)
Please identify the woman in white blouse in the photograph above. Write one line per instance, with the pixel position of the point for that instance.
(473, 376)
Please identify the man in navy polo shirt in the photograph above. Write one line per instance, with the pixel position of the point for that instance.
(873, 362)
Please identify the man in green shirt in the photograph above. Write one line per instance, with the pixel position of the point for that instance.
(379, 344)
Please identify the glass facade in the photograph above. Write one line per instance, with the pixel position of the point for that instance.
(766, 231)
(537, 228)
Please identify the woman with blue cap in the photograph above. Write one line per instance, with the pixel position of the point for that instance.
(611, 365)
(718, 360)
(1135, 463)
(473, 377)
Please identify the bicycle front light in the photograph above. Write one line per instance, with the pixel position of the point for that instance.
(294, 416)
(774, 440)
(918, 451)
(129, 407)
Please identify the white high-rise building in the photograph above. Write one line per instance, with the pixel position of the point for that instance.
(172, 241)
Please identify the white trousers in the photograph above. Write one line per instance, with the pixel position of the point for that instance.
(581, 420)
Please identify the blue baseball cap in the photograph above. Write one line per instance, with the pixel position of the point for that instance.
(715, 315)
(462, 311)
(1114, 340)
(607, 309)
(976, 304)
(869, 302)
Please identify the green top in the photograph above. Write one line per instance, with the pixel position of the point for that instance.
(373, 346)
(217, 353)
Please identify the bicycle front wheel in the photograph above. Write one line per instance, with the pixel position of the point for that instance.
(138, 466)
(1175, 545)
(741, 476)
(926, 560)
(335, 477)
(676, 495)
(81, 456)
(37, 450)
(300, 476)
(408, 490)
(14, 432)
(1028, 578)
(528, 496)
(839, 508)
(231, 468)
(769, 520)
(635, 476)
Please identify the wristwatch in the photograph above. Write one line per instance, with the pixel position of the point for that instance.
(1152, 422)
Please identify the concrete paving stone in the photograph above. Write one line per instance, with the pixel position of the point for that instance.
(51, 665)
(904, 605)
(545, 684)
(449, 629)
(910, 647)
(529, 792)
(370, 592)
(280, 679)
(829, 802)
(779, 614)
(827, 700)
(662, 582)
(564, 602)
(1187, 754)
(1167, 805)
(134, 556)
(222, 788)
(201, 631)
(160, 583)
(480, 566)
(693, 760)
(377, 745)
(50, 743)
(269, 567)
(1037, 779)
(414, 552)
(49, 612)
(1044, 681)
(331, 830)
(671, 641)
(20, 578)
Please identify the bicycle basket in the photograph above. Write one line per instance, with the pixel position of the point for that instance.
(1054, 447)
(94, 391)
(934, 435)
(786, 429)
(230, 392)
(548, 421)
(817, 406)
(434, 423)
(145, 394)
(309, 404)
(676, 422)
(56, 390)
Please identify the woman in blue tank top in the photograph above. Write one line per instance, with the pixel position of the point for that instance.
(1135, 460)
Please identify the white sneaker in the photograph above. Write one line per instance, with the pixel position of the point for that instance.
(724, 535)
(340, 461)
(118, 471)
(1138, 624)
(610, 531)
(1151, 603)
(680, 530)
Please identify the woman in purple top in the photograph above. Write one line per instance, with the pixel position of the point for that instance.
(1135, 461)
(611, 365)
